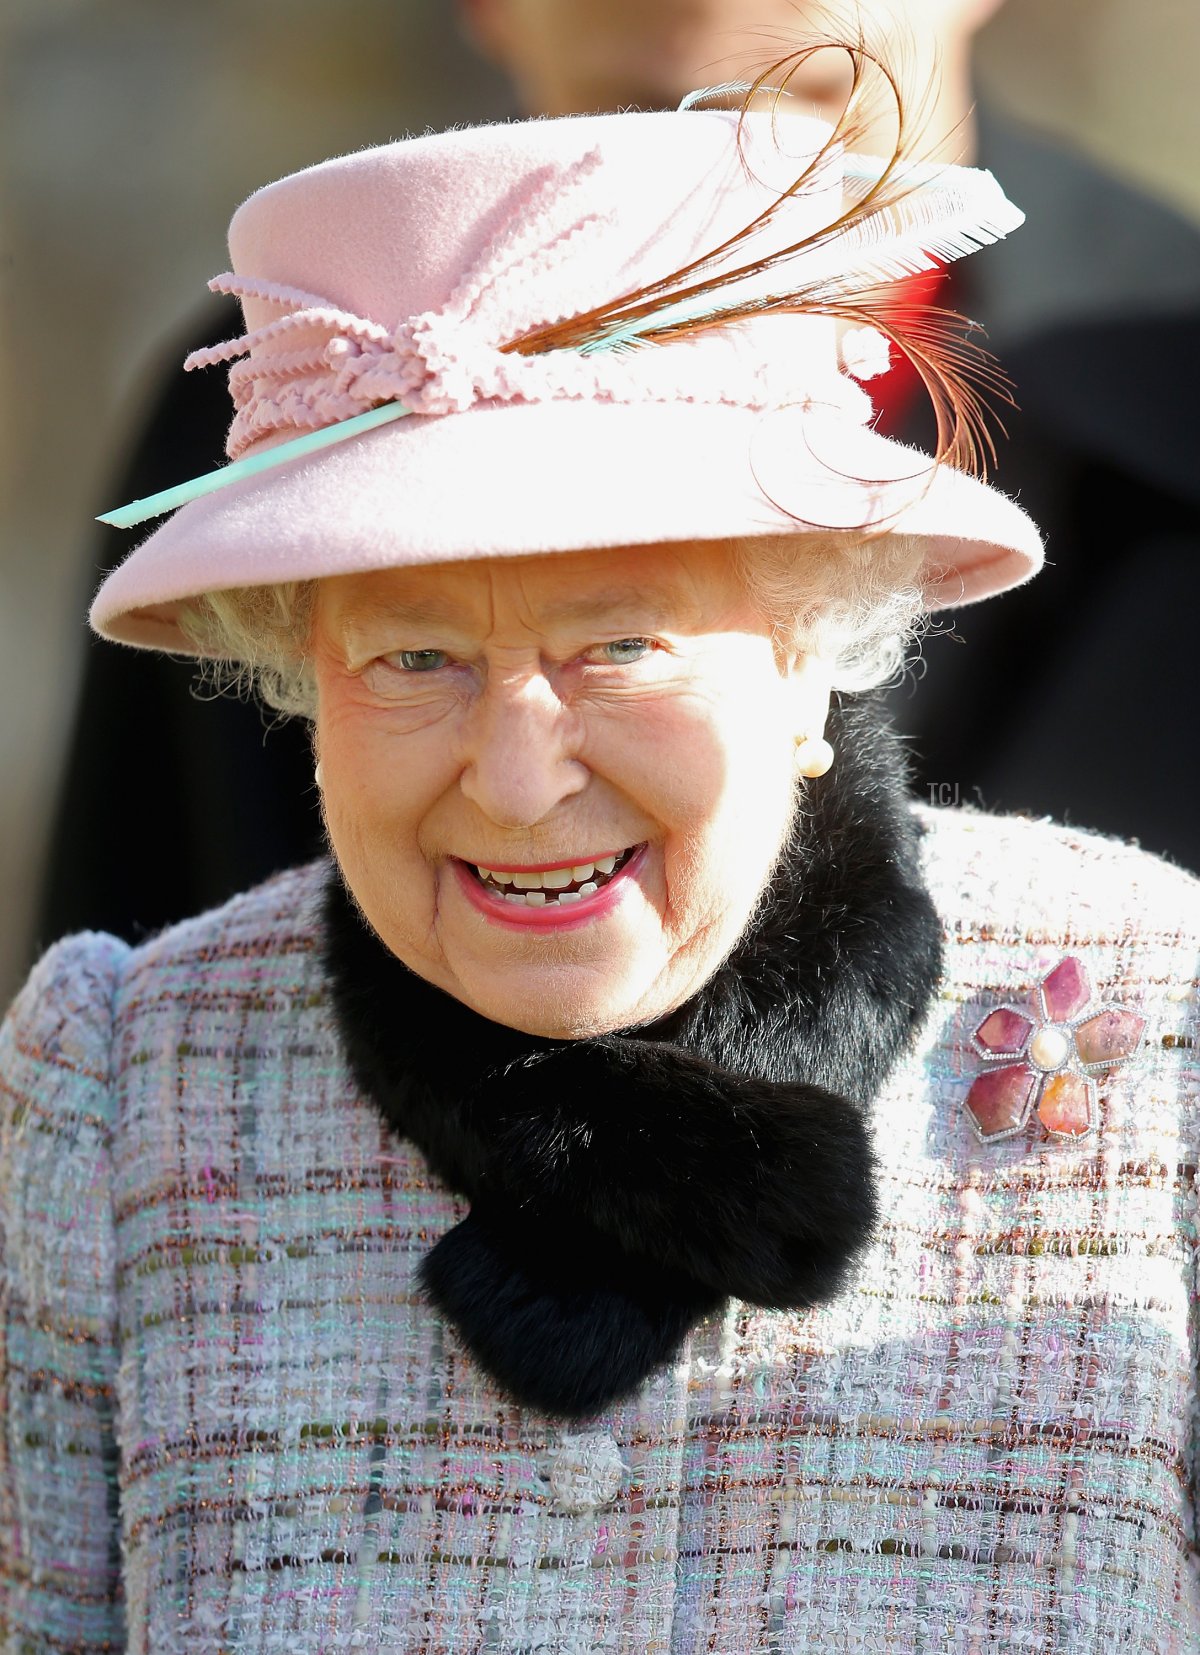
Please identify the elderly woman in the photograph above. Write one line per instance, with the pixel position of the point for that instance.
(652, 1189)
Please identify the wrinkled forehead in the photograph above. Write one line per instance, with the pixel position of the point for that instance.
(685, 587)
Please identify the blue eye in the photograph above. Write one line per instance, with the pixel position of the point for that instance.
(420, 660)
(624, 651)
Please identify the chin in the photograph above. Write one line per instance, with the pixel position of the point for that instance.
(571, 1003)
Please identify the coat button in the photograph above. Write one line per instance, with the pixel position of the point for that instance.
(586, 1471)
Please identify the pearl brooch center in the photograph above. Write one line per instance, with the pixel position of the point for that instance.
(1050, 1047)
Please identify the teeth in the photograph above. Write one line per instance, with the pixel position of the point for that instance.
(530, 888)
(539, 899)
(552, 879)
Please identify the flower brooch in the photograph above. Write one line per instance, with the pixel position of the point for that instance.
(1048, 1057)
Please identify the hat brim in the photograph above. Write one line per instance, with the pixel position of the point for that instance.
(515, 480)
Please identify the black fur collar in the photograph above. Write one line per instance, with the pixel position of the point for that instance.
(622, 1188)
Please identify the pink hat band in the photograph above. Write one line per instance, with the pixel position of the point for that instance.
(439, 363)
(450, 279)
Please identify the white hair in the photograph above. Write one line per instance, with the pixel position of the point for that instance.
(859, 604)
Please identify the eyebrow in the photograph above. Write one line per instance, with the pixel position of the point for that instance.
(654, 606)
(649, 605)
(396, 612)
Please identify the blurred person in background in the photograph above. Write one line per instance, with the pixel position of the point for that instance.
(1090, 311)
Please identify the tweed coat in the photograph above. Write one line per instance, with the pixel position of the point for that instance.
(230, 1423)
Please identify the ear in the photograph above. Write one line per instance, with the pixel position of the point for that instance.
(810, 682)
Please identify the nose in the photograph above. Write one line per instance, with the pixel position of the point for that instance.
(520, 751)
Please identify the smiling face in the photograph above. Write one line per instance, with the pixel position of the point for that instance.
(558, 785)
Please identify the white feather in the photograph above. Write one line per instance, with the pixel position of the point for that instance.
(945, 214)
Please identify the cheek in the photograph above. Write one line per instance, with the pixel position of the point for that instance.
(717, 776)
(378, 782)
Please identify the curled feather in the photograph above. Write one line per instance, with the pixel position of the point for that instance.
(901, 216)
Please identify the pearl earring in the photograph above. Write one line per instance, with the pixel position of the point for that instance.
(814, 756)
(317, 776)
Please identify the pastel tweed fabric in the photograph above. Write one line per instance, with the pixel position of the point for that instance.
(229, 1424)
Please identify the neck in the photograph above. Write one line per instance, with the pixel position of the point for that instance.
(940, 106)
(952, 135)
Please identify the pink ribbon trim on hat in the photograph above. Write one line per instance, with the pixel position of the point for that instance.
(319, 365)
(437, 363)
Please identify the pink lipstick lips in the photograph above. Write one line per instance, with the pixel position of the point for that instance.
(548, 896)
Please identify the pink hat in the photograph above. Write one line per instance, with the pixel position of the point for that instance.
(481, 343)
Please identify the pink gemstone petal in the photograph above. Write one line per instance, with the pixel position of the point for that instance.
(999, 1098)
(1066, 990)
(1004, 1031)
(1068, 1104)
(1110, 1037)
